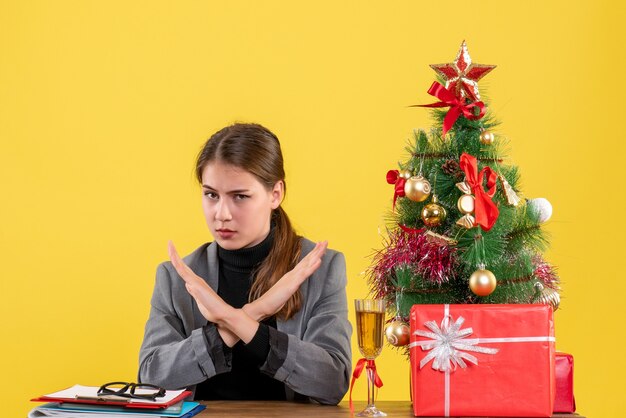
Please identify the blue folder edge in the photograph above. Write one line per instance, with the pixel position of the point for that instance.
(188, 410)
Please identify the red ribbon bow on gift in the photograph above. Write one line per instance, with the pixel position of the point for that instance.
(393, 177)
(457, 106)
(485, 209)
(358, 369)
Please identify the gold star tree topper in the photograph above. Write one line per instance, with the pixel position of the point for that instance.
(462, 75)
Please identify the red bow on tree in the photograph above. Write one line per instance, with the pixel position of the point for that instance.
(358, 369)
(485, 209)
(411, 230)
(393, 177)
(457, 106)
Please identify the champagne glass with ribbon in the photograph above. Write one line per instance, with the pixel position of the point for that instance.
(370, 317)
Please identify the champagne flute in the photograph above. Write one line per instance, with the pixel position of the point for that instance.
(370, 316)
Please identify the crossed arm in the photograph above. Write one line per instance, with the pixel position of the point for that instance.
(242, 324)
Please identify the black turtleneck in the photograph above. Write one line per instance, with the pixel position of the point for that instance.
(242, 380)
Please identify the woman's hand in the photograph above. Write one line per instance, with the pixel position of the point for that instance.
(212, 307)
(275, 298)
(232, 324)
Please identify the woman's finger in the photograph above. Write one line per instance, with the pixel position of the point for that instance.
(306, 267)
(174, 257)
(182, 269)
(316, 253)
(177, 262)
(275, 298)
(208, 301)
(195, 284)
(312, 259)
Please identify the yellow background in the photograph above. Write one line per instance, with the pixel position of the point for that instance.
(104, 105)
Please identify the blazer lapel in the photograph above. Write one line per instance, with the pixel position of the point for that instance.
(208, 269)
(212, 275)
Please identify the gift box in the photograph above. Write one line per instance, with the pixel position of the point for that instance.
(564, 377)
(482, 360)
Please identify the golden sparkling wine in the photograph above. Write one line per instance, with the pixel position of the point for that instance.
(370, 316)
(369, 326)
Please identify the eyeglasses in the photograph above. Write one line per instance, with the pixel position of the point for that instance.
(144, 391)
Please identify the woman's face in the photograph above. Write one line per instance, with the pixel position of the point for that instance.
(237, 207)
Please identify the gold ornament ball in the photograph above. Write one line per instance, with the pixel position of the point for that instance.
(487, 138)
(417, 188)
(398, 333)
(433, 214)
(465, 204)
(547, 296)
(405, 174)
(482, 282)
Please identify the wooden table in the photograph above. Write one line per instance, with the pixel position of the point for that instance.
(262, 409)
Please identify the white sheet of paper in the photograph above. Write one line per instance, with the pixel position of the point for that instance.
(92, 392)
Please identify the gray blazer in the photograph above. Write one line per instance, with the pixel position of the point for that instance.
(179, 350)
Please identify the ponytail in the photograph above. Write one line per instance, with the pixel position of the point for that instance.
(283, 257)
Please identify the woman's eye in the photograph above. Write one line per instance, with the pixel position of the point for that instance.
(211, 195)
(241, 196)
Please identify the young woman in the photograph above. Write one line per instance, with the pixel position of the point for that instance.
(259, 313)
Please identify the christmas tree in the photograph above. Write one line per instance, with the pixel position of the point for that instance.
(460, 230)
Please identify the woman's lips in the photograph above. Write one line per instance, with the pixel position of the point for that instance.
(225, 233)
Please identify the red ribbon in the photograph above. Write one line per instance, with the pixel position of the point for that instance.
(393, 177)
(411, 230)
(457, 106)
(358, 369)
(485, 209)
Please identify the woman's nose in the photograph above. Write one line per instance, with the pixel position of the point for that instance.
(223, 212)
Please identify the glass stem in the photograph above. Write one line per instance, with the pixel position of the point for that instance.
(370, 386)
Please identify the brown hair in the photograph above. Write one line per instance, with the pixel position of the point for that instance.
(256, 149)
